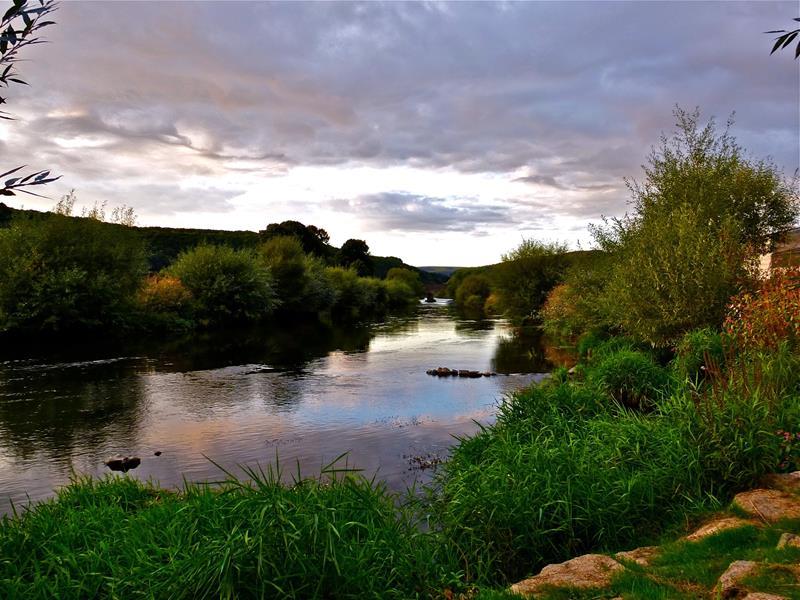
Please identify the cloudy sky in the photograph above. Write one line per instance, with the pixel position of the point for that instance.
(440, 133)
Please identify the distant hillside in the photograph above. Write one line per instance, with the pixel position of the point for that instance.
(164, 244)
(447, 271)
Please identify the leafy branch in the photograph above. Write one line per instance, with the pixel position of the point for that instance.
(18, 28)
(786, 38)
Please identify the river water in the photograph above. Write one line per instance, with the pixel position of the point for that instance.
(304, 394)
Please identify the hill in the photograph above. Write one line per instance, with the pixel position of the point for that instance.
(164, 244)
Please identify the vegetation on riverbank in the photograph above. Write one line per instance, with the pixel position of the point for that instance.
(65, 275)
(687, 390)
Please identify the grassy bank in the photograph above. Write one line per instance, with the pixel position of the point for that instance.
(567, 468)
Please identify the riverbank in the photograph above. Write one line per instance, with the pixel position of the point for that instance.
(569, 467)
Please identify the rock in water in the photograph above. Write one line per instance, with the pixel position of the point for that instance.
(123, 463)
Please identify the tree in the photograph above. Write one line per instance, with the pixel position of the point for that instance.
(355, 254)
(471, 295)
(409, 277)
(14, 36)
(700, 219)
(785, 39)
(526, 276)
(313, 239)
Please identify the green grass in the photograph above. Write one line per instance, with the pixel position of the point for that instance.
(564, 470)
(345, 537)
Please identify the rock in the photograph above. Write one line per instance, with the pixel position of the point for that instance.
(715, 527)
(429, 298)
(787, 482)
(587, 571)
(769, 505)
(157, 453)
(123, 463)
(728, 585)
(789, 540)
(763, 596)
(641, 556)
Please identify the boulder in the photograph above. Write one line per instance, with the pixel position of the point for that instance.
(787, 482)
(715, 527)
(789, 540)
(641, 556)
(584, 572)
(768, 505)
(729, 583)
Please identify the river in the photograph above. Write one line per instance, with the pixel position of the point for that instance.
(304, 394)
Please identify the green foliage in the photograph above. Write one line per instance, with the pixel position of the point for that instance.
(65, 274)
(287, 262)
(355, 254)
(526, 276)
(699, 351)
(340, 537)
(631, 378)
(473, 292)
(228, 285)
(409, 277)
(700, 218)
(313, 240)
(675, 274)
(534, 487)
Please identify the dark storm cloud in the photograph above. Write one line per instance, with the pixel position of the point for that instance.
(572, 93)
(398, 211)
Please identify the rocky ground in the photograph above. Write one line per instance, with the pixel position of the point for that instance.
(750, 552)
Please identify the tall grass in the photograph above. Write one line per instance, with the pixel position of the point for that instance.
(339, 537)
(565, 469)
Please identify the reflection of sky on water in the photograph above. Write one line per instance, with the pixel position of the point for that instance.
(365, 393)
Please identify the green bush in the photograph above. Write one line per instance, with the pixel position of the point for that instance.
(631, 378)
(700, 218)
(409, 277)
(227, 284)
(287, 263)
(60, 274)
(473, 292)
(697, 352)
(526, 276)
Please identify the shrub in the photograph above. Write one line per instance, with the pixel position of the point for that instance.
(769, 316)
(576, 305)
(409, 277)
(700, 218)
(61, 274)
(166, 303)
(526, 276)
(631, 378)
(228, 284)
(287, 263)
(697, 352)
(399, 294)
(674, 274)
(473, 292)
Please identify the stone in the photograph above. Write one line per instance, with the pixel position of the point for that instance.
(789, 540)
(641, 556)
(769, 505)
(763, 596)
(584, 572)
(787, 482)
(729, 583)
(715, 527)
(123, 463)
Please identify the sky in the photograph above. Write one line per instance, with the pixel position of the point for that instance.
(442, 133)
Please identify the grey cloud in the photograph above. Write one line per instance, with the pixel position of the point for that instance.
(575, 92)
(400, 211)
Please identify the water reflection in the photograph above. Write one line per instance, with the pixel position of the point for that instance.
(307, 392)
